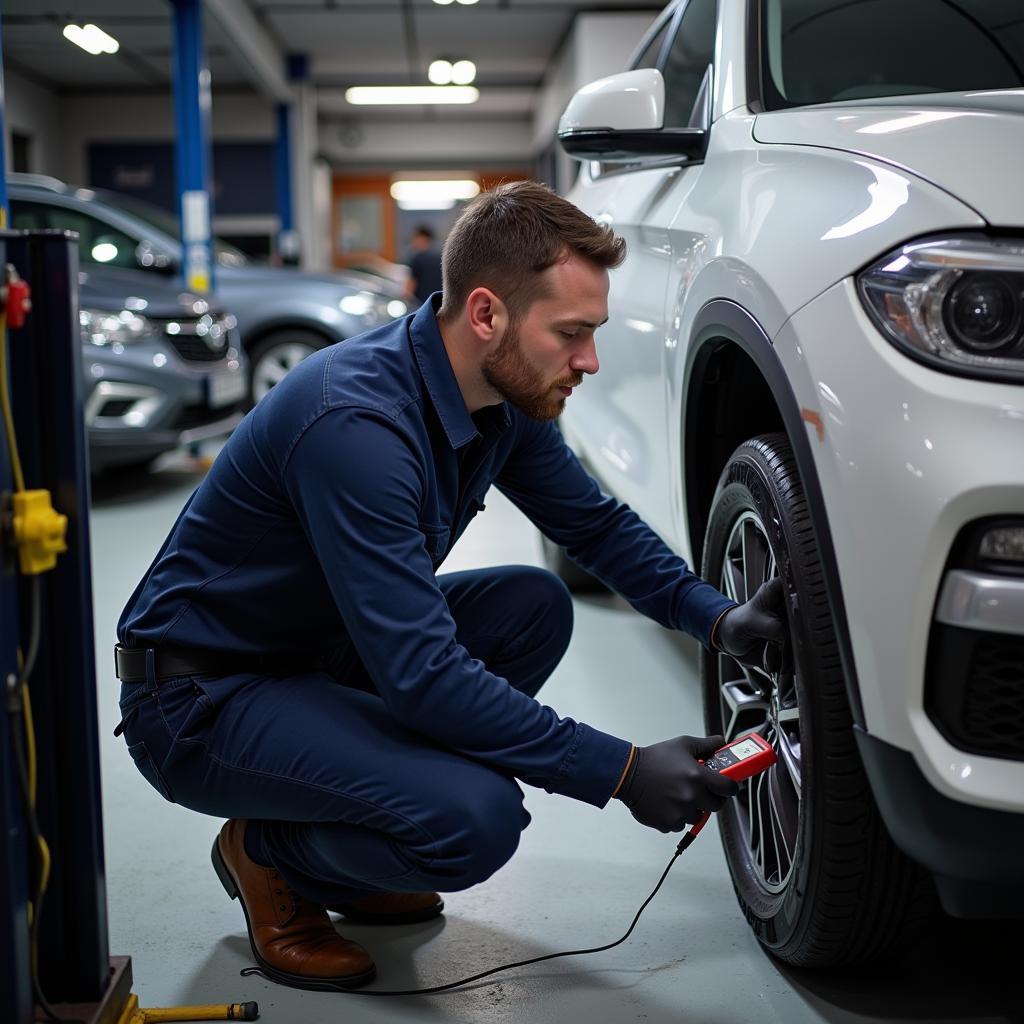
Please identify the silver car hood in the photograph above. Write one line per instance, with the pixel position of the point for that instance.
(970, 144)
(279, 277)
(140, 290)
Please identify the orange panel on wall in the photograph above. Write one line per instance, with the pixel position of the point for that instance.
(362, 219)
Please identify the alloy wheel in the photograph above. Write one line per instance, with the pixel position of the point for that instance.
(753, 699)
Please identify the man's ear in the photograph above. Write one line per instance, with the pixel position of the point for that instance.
(486, 315)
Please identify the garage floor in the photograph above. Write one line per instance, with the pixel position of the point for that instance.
(577, 880)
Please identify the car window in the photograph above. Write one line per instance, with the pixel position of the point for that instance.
(818, 51)
(98, 242)
(652, 51)
(28, 216)
(693, 49)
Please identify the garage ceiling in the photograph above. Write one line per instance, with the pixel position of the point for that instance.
(348, 42)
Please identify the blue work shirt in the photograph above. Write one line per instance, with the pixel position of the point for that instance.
(325, 517)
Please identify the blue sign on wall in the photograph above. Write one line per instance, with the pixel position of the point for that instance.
(243, 174)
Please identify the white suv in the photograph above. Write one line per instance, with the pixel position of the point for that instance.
(814, 367)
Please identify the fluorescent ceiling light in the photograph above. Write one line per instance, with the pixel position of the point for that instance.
(426, 204)
(377, 95)
(413, 191)
(91, 38)
(465, 3)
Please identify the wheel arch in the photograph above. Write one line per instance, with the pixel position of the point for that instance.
(735, 387)
(261, 331)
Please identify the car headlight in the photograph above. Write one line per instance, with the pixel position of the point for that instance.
(109, 326)
(374, 309)
(953, 303)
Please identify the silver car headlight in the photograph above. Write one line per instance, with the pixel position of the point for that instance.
(111, 326)
(373, 309)
(953, 303)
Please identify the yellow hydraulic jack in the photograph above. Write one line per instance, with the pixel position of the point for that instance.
(134, 1014)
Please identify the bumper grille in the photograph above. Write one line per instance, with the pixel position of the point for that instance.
(195, 350)
(975, 690)
(204, 339)
(994, 701)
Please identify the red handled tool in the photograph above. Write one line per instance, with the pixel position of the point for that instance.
(744, 757)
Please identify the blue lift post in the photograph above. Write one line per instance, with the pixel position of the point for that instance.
(288, 237)
(192, 104)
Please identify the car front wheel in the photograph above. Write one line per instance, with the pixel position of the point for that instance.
(814, 869)
(273, 356)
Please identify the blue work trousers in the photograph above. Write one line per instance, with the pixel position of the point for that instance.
(349, 801)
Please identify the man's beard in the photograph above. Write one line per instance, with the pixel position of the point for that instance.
(510, 374)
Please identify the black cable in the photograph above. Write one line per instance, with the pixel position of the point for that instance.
(682, 845)
(21, 760)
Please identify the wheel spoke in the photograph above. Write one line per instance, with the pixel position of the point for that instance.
(731, 577)
(755, 557)
(779, 826)
(737, 700)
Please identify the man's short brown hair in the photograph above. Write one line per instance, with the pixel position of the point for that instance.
(507, 237)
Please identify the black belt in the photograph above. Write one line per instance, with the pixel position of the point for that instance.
(130, 663)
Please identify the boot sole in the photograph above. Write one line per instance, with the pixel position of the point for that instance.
(275, 973)
(407, 917)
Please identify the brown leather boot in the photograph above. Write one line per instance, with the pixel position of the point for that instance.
(292, 939)
(392, 908)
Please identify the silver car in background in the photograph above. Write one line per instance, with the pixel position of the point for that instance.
(283, 314)
(162, 367)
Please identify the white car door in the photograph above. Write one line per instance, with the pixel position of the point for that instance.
(624, 407)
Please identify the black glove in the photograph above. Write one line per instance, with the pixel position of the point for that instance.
(757, 629)
(667, 789)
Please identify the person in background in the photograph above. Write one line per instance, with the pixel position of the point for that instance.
(424, 266)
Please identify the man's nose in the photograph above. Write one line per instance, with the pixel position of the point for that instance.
(585, 360)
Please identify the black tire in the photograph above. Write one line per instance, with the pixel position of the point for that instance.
(277, 353)
(815, 872)
(578, 580)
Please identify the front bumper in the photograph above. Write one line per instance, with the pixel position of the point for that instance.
(143, 400)
(974, 853)
(908, 457)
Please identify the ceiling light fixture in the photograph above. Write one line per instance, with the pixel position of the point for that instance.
(91, 38)
(379, 95)
(440, 72)
(465, 3)
(463, 72)
(425, 204)
(434, 193)
(444, 72)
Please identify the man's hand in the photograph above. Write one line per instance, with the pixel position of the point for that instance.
(752, 630)
(667, 789)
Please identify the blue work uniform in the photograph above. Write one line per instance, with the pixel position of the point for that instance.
(319, 530)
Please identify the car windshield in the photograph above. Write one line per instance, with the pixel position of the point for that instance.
(821, 51)
(162, 220)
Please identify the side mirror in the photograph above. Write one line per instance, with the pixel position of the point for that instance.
(150, 258)
(621, 118)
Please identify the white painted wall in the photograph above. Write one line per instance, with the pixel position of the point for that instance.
(35, 111)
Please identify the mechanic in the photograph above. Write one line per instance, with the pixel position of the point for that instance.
(292, 663)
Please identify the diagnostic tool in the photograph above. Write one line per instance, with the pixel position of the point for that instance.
(745, 756)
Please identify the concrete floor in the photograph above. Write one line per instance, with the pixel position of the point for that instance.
(577, 880)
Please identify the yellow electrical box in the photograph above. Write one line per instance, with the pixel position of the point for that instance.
(39, 531)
